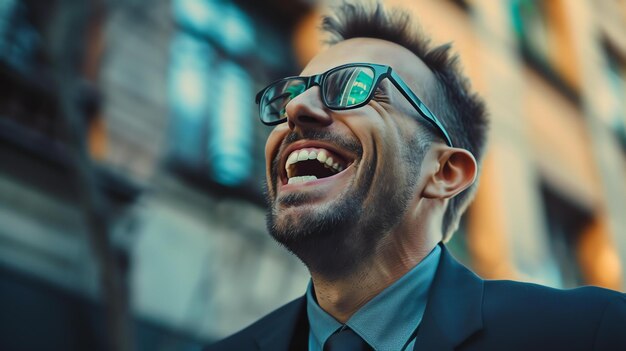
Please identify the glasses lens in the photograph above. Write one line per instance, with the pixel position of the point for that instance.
(348, 86)
(277, 97)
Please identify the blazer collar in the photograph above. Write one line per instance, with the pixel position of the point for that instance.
(453, 313)
(454, 309)
(288, 330)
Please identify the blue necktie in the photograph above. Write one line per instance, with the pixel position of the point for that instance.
(346, 340)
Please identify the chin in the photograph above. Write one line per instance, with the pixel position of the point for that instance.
(328, 238)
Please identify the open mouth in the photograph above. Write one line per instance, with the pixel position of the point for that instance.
(309, 164)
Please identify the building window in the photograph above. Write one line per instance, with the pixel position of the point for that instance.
(230, 128)
(20, 42)
(531, 26)
(613, 100)
(28, 99)
(545, 43)
(190, 69)
(211, 92)
(566, 223)
(220, 57)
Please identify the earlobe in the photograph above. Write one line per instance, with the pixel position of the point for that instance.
(456, 171)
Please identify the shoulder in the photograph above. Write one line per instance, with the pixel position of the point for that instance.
(590, 315)
(246, 339)
(511, 293)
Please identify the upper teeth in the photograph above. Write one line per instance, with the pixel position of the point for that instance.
(312, 154)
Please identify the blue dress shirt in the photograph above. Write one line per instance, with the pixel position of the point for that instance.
(387, 322)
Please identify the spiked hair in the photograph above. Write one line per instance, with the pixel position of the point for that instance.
(461, 111)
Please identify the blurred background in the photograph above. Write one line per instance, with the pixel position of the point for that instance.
(131, 159)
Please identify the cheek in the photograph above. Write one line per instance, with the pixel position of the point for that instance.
(379, 134)
(390, 144)
(272, 146)
(381, 162)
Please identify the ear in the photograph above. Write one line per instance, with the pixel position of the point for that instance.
(456, 171)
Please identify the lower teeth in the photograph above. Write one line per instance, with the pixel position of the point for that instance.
(301, 179)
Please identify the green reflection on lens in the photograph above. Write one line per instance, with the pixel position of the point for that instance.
(360, 88)
(295, 90)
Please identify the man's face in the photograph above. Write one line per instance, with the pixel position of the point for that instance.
(366, 161)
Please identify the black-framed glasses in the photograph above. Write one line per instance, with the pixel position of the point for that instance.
(344, 87)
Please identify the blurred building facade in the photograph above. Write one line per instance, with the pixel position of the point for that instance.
(164, 91)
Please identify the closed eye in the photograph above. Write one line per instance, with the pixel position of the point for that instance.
(380, 96)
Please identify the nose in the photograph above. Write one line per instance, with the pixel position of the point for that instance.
(307, 111)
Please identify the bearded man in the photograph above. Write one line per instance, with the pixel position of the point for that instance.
(372, 160)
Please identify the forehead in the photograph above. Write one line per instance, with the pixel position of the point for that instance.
(412, 70)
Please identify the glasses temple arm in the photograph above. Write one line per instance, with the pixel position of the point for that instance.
(419, 105)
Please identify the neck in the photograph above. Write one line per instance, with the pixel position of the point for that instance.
(397, 254)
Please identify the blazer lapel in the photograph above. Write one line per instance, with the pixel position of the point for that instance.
(288, 330)
(454, 309)
(453, 313)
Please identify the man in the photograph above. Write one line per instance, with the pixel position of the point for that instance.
(372, 160)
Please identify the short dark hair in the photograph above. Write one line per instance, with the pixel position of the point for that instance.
(461, 111)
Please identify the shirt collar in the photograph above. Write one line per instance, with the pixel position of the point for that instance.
(388, 320)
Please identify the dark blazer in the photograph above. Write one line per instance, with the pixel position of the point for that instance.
(465, 312)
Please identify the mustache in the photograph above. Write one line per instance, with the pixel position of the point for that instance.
(350, 144)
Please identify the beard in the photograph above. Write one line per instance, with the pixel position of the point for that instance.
(336, 238)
